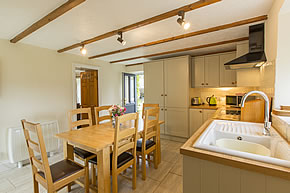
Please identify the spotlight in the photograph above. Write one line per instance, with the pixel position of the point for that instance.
(83, 50)
(181, 20)
(120, 38)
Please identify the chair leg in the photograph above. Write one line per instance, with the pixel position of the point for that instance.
(137, 157)
(134, 176)
(148, 157)
(155, 159)
(143, 167)
(115, 183)
(69, 187)
(94, 180)
(35, 186)
(87, 181)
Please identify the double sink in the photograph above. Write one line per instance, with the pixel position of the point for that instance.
(242, 139)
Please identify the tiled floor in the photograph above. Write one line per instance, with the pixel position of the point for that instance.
(167, 178)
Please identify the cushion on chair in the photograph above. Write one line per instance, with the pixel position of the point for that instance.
(82, 153)
(62, 169)
(122, 159)
(149, 143)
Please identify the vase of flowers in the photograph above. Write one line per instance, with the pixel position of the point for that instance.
(117, 111)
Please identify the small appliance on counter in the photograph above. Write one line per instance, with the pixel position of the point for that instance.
(211, 101)
(235, 100)
(195, 101)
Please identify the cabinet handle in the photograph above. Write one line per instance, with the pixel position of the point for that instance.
(202, 83)
(233, 82)
(200, 111)
(165, 109)
(206, 83)
(161, 94)
(165, 95)
(161, 109)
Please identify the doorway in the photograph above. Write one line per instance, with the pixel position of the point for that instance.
(86, 92)
(130, 92)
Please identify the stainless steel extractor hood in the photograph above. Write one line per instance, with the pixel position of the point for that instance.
(256, 56)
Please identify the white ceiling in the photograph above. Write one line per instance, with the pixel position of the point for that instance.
(93, 18)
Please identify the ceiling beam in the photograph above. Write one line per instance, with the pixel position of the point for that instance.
(186, 8)
(187, 35)
(210, 53)
(184, 49)
(48, 18)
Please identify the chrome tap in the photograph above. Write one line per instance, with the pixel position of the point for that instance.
(267, 124)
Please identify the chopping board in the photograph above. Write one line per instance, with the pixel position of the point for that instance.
(253, 111)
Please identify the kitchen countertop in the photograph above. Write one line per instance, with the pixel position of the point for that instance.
(221, 114)
(204, 106)
(283, 149)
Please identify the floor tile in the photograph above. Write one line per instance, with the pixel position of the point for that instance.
(171, 183)
(178, 167)
(6, 186)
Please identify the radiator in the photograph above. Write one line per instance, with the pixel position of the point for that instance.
(17, 149)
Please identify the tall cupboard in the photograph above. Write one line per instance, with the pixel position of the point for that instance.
(166, 82)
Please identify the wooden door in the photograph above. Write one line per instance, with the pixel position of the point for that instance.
(228, 78)
(176, 122)
(212, 71)
(130, 92)
(89, 91)
(195, 120)
(197, 73)
(176, 82)
(154, 83)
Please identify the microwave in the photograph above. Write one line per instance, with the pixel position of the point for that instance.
(233, 100)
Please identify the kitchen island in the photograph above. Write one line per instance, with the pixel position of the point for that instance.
(207, 171)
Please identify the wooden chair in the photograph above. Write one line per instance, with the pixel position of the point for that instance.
(253, 111)
(146, 106)
(100, 119)
(148, 143)
(124, 150)
(83, 155)
(53, 177)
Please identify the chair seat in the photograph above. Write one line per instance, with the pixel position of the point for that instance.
(122, 159)
(62, 169)
(149, 143)
(82, 153)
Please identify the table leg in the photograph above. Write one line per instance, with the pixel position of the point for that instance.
(104, 184)
(158, 145)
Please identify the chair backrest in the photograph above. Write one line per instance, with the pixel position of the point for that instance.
(150, 125)
(99, 118)
(36, 147)
(126, 137)
(82, 122)
(147, 106)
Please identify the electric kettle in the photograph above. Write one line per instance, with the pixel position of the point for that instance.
(211, 101)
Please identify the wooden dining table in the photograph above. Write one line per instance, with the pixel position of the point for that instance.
(98, 139)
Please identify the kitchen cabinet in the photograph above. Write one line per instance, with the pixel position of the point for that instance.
(153, 82)
(228, 78)
(211, 71)
(197, 117)
(176, 122)
(205, 71)
(166, 82)
(195, 122)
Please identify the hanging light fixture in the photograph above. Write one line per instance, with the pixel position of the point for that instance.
(120, 38)
(181, 20)
(83, 50)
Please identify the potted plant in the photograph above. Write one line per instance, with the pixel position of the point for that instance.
(117, 111)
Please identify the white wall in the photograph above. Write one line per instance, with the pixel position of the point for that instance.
(282, 87)
(36, 84)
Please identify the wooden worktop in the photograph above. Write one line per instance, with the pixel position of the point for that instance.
(233, 161)
(204, 106)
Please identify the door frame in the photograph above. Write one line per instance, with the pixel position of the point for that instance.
(123, 89)
(74, 86)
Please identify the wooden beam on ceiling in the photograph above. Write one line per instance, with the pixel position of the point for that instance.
(187, 35)
(209, 53)
(186, 8)
(48, 18)
(184, 49)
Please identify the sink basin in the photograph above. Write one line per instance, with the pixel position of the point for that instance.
(241, 139)
(243, 146)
